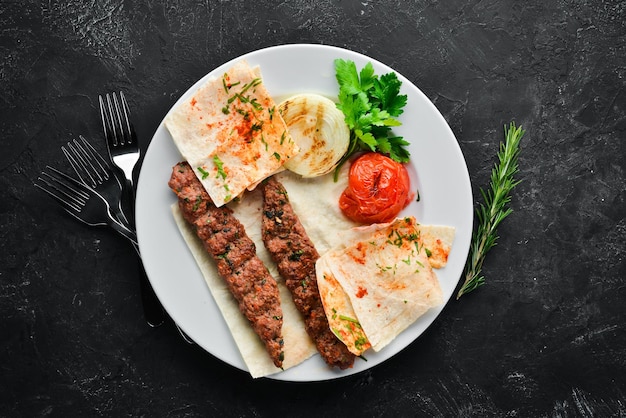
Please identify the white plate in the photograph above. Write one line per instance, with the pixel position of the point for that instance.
(438, 171)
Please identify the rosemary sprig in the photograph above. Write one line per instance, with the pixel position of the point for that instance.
(494, 209)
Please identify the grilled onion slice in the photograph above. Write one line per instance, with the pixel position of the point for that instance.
(319, 129)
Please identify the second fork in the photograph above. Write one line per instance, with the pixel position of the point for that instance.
(81, 201)
(93, 170)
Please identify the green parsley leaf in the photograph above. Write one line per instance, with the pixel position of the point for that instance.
(368, 78)
(397, 151)
(347, 76)
(371, 105)
(366, 138)
(387, 94)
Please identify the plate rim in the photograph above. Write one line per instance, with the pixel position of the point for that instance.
(344, 53)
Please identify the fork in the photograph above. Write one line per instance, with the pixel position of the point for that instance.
(120, 134)
(93, 170)
(88, 206)
(124, 154)
(81, 201)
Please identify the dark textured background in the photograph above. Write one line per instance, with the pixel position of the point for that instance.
(544, 337)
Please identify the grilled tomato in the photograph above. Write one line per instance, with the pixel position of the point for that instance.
(378, 189)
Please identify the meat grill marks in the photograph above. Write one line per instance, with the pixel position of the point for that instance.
(234, 253)
(295, 256)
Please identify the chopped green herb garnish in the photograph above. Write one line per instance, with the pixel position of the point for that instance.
(295, 256)
(360, 342)
(220, 167)
(256, 105)
(253, 83)
(204, 173)
(197, 203)
(228, 86)
(337, 334)
(347, 318)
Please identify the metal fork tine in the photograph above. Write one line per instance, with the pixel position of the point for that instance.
(126, 119)
(86, 162)
(68, 182)
(71, 197)
(89, 159)
(106, 111)
(96, 156)
(118, 119)
(69, 207)
(115, 114)
(78, 164)
(69, 203)
(114, 111)
(81, 201)
(106, 120)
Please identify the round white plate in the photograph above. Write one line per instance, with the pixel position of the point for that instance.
(438, 171)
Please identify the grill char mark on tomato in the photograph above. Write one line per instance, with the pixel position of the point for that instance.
(378, 189)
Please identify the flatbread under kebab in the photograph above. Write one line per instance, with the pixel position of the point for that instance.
(297, 346)
(224, 238)
(295, 256)
(315, 201)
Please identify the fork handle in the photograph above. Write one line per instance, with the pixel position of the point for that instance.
(152, 309)
(123, 231)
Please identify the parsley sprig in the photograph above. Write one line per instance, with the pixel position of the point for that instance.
(371, 105)
(494, 209)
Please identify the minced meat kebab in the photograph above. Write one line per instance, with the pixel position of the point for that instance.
(234, 253)
(295, 256)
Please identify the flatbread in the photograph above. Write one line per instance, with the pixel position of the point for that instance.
(339, 311)
(231, 133)
(437, 241)
(315, 201)
(386, 279)
(298, 346)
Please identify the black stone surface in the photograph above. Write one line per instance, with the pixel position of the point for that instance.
(544, 337)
